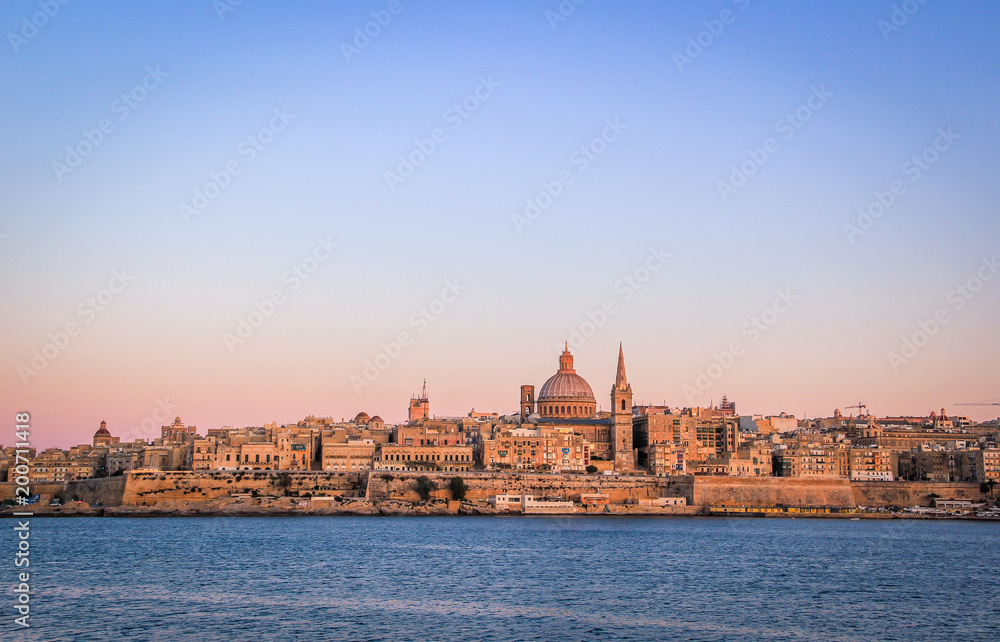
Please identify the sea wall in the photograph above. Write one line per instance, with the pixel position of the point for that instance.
(906, 493)
(105, 491)
(145, 488)
(773, 492)
(824, 493)
(383, 485)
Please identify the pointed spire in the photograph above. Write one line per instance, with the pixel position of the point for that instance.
(621, 382)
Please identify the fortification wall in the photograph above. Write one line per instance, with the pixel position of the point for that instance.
(912, 493)
(620, 489)
(147, 487)
(824, 493)
(773, 491)
(106, 491)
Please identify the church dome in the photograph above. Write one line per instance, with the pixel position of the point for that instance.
(566, 394)
(564, 385)
(361, 418)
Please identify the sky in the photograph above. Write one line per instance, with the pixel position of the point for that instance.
(240, 213)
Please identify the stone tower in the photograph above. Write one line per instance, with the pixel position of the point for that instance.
(419, 406)
(621, 418)
(527, 401)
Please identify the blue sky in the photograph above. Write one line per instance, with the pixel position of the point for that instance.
(553, 89)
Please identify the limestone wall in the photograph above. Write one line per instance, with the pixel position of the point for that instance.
(905, 493)
(146, 488)
(106, 491)
(824, 493)
(620, 489)
(773, 491)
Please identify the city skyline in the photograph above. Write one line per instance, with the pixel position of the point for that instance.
(812, 184)
(150, 428)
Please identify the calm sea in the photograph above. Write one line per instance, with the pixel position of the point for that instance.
(522, 578)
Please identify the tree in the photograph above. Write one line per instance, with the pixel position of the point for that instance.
(591, 469)
(458, 488)
(285, 483)
(987, 487)
(425, 486)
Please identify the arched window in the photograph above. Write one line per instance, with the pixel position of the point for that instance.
(623, 404)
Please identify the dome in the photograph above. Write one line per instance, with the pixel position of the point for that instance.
(103, 430)
(361, 418)
(566, 385)
(376, 418)
(566, 395)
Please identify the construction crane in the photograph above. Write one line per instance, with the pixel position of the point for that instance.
(860, 406)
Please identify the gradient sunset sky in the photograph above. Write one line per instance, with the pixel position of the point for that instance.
(867, 95)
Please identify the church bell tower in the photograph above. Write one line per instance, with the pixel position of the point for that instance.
(621, 418)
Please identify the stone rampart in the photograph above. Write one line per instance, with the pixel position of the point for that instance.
(912, 493)
(145, 488)
(106, 491)
(620, 489)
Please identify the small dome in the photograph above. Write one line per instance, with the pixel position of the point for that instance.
(362, 418)
(376, 418)
(103, 430)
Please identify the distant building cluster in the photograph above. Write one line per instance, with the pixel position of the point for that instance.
(560, 430)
